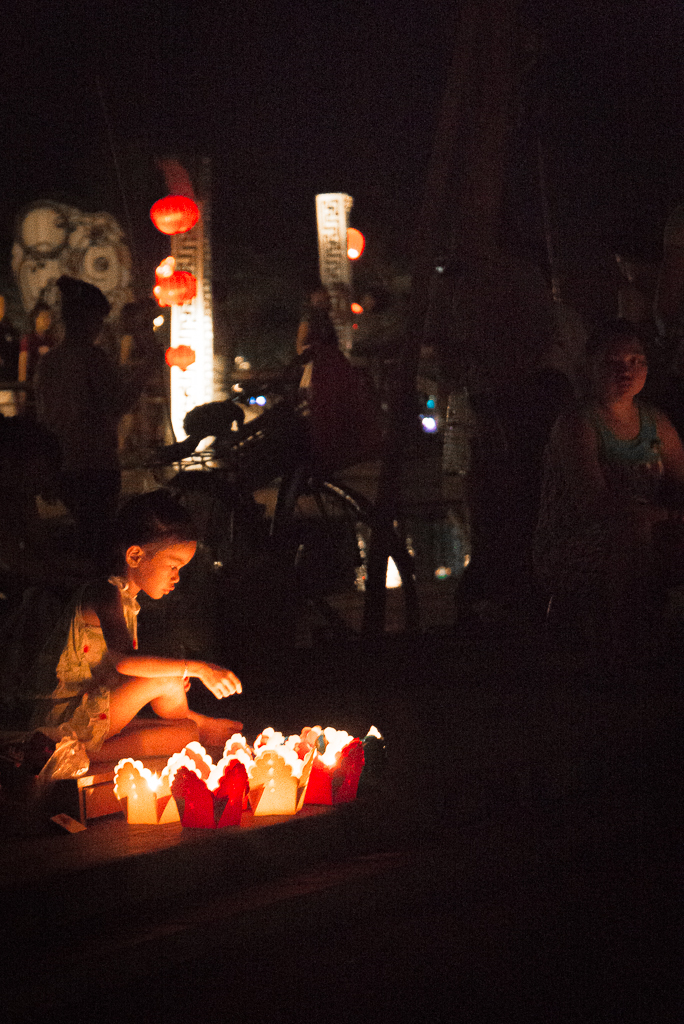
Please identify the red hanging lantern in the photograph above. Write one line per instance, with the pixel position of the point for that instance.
(177, 289)
(174, 215)
(174, 287)
(355, 243)
(181, 356)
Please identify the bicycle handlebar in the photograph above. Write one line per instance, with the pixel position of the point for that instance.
(216, 419)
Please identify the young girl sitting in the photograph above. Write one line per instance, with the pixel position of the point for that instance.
(102, 681)
(610, 527)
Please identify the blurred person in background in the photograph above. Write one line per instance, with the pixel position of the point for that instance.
(81, 395)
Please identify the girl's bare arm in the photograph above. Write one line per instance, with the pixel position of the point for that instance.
(671, 447)
(106, 609)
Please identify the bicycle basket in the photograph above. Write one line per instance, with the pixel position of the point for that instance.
(271, 445)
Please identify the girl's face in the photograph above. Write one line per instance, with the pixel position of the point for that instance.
(619, 370)
(155, 568)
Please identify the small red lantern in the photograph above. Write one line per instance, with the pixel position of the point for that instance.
(174, 215)
(174, 287)
(181, 356)
(356, 308)
(355, 243)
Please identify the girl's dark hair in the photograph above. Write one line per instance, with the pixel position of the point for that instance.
(603, 335)
(150, 518)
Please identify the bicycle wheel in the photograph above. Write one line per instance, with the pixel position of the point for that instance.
(230, 524)
(324, 530)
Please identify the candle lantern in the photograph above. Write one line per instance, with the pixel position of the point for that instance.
(278, 780)
(174, 215)
(336, 769)
(215, 801)
(145, 796)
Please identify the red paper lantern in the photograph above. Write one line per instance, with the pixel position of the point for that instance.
(177, 288)
(180, 355)
(355, 243)
(199, 807)
(338, 783)
(174, 215)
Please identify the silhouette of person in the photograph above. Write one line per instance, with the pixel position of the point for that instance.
(80, 396)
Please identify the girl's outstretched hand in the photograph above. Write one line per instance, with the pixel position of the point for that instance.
(219, 681)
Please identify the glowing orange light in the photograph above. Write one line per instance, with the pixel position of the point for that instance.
(181, 356)
(336, 772)
(355, 243)
(356, 308)
(173, 287)
(174, 215)
(165, 268)
(145, 796)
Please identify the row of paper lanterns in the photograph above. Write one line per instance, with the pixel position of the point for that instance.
(276, 776)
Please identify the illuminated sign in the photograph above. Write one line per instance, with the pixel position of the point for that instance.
(332, 213)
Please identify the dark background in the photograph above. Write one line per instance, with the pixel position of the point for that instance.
(291, 99)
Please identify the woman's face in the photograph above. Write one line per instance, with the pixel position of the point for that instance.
(619, 370)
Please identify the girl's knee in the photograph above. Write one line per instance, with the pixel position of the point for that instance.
(171, 686)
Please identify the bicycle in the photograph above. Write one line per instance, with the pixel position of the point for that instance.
(319, 529)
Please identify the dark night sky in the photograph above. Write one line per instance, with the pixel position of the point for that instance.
(290, 99)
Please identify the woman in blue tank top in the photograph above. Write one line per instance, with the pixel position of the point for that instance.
(610, 525)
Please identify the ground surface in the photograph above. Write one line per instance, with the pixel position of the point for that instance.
(519, 859)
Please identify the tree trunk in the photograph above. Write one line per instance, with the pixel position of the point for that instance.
(473, 127)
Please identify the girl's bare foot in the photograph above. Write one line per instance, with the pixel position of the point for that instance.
(214, 732)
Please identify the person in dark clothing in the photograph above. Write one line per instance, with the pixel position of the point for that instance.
(80, 396)
(316, 329)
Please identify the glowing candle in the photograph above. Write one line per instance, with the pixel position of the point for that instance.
(336, 771)
(146, 797)
(278, 780)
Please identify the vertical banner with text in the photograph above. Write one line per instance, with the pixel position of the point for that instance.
(332, 219)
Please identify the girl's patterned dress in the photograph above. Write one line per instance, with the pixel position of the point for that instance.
(76, 656)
